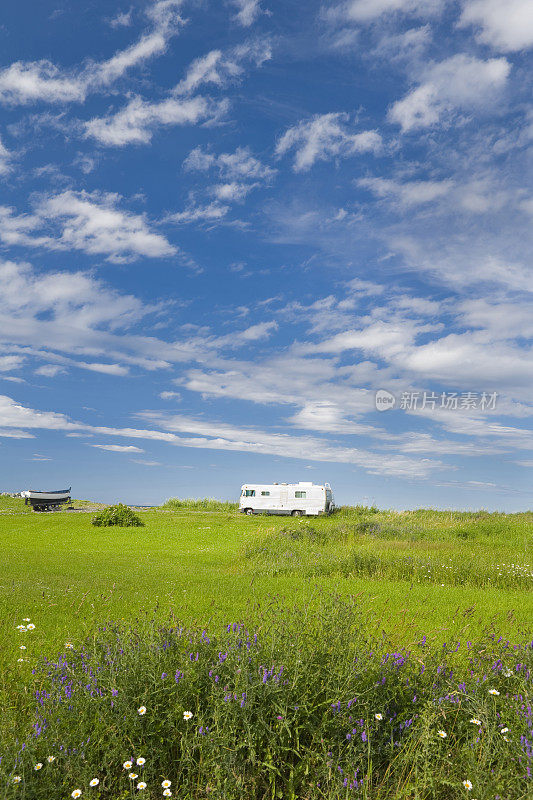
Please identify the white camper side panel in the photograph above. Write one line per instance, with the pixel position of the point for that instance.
(305, 498)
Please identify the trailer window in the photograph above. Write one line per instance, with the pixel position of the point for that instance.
(300, 495)
(265, 494)
(249, 493)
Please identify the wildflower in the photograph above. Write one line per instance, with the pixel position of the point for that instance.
(141, 711)
(506, 739)
(442, 734)
(132, 776)
(166, 784)
(38, 766)
(141, 761)
(141, 785)
(475, 721)
(16, 779)
(26, 619)
(94, 782)
(76, 793)
(21, 627)
(187, 715)
(493, 691)
(20, 659)
(69, 645)
(378, 717)
(30, 627)
(22, 647)
(508, 672)
(50, 759)
(467, 785)
(167, 793)
(504, 730)
(127, 765)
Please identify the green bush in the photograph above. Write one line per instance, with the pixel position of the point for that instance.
(120, 515)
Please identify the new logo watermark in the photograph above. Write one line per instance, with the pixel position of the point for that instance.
(384, 400)
(451, 401)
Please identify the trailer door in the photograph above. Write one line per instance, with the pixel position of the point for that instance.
(283, 497)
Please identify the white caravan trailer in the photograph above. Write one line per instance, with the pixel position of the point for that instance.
(297, 499)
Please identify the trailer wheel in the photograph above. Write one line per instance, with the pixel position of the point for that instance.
(248, 511)
(297, 514)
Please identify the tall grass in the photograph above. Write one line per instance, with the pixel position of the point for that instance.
(302, 707)
(199, 504)
(375, 550)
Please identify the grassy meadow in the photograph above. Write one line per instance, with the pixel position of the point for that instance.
(377, 605)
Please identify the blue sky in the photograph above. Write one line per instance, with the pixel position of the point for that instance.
(225, 226)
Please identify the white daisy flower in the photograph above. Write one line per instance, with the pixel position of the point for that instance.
(166, 784)
(508, 672)
(16, 779)
(167, 793)
(442, 734)
(30, 627)
(38, 766)
(69, 645)
(141, 761)
(21, 627)
(94, 782)
(127, 765)
(506, 739)
(26, 619)
(475, 721)
(20, 659)
(50, 759)
(504, 730)
(187, 714)
(141, 711)
(467, 785)
(132, 776)
(141, 785)
(23, 647)
(76, 793)
(493, 691)
(378, 717)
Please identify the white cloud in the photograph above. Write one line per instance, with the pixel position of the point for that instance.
(460, 82)
(220, 436)
(50, 370)
(23, 83)
(209, 213)
(505, 26)
(231, 192)
(135, 124)
(121, 20)
(170, 395)
(323, 137)
(408, 193)
(118, 448)
(5, 159)
(248, 11)
(8, 363)
(367, 11)
(86, 221)
(240, 165)
(222, 68)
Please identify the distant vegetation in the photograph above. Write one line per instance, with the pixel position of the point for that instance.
(423, 546)
(199, 504)
(120, 515)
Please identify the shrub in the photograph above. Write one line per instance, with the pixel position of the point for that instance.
(120, 515)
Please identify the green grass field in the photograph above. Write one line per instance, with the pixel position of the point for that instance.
(448, 576)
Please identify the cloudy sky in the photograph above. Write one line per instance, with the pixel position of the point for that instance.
(224, 226)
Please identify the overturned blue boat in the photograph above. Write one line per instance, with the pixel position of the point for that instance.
(46, 501)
